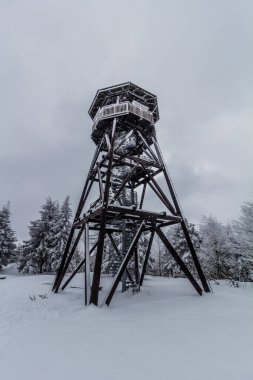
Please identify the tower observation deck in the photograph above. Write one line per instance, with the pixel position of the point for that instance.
(126, 163)
(134, 107)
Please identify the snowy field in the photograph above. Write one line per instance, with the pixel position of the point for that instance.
(164, 332)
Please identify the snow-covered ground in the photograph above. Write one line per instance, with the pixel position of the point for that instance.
(164, 332)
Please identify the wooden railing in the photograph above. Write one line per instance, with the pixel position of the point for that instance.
(121, 109)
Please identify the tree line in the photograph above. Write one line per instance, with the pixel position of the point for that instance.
(48, 235)
(225, 251)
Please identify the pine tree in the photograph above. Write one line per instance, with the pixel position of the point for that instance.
(244, 227)
(61, 232)
(238, 266)
(142, 248)
(165, 262)
(7, 237)
(159, 262)
(36, 255)
(109, 256)
(180, 244)
(243, 241)
(216, 252)
(48, 238)
(48, 241)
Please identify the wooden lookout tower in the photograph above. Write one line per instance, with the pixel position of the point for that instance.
(127, 162)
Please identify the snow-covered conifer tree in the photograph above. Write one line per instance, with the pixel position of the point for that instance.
(164, 264)
(243, 241)
(48, 238)
(109, 256)
(48, 241)
(216, 253)
(7, 237)
(61, 232)
(36, 255)
(142, 248)
(177, 239)
(158, 263)
(244, 227)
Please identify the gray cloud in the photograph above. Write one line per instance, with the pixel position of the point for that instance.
(195, 55)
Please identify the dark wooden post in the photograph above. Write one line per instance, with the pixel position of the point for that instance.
(71, 253)
(84, 195)
(101, 237)
(147, 257)
(183, 224)
(178, 260)
(87, 267)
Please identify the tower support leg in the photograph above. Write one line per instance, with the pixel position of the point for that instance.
(136, 268)
(84, 195)
(87, 267)
(183, 224)
(146, 257)
(178, 260)
(101, 236)
(69, 257)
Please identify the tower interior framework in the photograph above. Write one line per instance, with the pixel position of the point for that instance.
(126, 163)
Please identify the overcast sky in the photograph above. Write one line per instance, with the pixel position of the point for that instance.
(196, 56)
